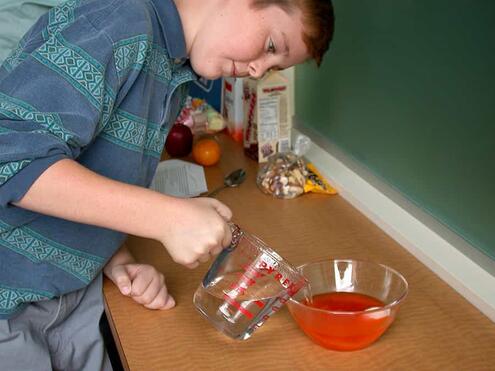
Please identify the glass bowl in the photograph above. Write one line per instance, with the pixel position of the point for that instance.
(353, 302)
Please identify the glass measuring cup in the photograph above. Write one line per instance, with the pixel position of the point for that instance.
(246, 284)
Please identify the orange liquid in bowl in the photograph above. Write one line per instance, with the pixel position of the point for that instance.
(344, 302)
(343, 330)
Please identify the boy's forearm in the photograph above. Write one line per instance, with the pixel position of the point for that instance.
(70, 191)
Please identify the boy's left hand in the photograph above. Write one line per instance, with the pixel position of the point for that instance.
(143, 283)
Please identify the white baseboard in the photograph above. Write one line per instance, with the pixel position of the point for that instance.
(467, 271)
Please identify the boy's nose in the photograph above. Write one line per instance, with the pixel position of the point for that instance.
(257, 69)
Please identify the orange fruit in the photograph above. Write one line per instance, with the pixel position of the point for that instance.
(206, 152)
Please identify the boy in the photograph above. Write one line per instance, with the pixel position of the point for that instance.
(86, 101)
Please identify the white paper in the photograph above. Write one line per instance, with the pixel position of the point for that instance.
(179, 178)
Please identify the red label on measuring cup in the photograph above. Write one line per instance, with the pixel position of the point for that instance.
(238, 306)
(267, 266)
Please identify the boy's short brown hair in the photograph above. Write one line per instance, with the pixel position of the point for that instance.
(318, 22)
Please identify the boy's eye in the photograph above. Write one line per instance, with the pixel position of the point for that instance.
(271, 47)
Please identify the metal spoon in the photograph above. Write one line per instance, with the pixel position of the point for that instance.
(231, 180)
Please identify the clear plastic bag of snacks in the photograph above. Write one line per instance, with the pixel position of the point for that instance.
(283, 176)
(286, 175)
(200, 117)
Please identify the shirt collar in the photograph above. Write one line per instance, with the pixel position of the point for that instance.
(171, 25)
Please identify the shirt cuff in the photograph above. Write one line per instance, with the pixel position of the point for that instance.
(16, 187)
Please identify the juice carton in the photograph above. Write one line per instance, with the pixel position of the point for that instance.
(232, 108)
(267, 118)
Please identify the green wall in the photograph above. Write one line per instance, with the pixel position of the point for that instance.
(408, 90)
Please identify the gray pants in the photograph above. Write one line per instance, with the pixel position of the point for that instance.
(57, 334)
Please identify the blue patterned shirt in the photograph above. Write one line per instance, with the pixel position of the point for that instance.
(97, 81)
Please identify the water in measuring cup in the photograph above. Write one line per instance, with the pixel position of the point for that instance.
(237, 313)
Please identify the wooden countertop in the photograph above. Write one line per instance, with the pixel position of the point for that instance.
(436, 329)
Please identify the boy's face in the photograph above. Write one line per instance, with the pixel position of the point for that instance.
(242, 41)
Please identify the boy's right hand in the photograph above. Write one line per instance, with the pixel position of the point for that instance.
(196, 230)
(190, 229)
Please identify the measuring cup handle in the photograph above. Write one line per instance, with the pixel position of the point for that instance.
(236, 237)
(236, 234)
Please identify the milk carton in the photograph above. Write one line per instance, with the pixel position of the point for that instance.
(267, 118)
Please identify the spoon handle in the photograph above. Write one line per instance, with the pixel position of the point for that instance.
(215, 191)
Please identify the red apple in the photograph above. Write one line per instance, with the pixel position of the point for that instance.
(179, 141)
